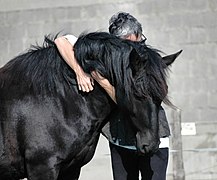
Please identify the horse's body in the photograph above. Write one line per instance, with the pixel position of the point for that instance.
(49, 130)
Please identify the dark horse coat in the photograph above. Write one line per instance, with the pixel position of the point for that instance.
(49, 130)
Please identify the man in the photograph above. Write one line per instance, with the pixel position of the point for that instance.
(126, 162)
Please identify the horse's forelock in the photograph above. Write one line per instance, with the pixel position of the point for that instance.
(151, 81)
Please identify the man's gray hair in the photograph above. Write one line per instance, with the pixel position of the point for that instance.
(123, 24)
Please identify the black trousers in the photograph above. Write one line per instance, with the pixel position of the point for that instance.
(127, 164)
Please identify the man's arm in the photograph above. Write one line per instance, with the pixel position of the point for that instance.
(105, 84)
(65, 47)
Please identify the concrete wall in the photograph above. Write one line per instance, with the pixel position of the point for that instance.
(170, 25)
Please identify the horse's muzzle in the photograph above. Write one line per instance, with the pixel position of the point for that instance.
(147, 143)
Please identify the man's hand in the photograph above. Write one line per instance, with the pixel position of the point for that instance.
(105, 84)
(85, 81)
(100, 79)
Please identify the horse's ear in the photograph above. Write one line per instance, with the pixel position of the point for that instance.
(168, 60)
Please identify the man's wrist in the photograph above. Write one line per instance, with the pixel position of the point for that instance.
(78, 71)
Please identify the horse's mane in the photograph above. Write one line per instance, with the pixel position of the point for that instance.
(114, 59)
(40, 69)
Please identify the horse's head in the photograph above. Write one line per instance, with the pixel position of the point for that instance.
(138, 74)
(149, 72)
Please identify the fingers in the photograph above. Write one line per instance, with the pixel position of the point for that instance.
(79, 87)
(87, 87)
(96, 76)
(92, 81)
(93, 74)
(85, 82)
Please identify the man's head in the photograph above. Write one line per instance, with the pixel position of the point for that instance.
(125, 26)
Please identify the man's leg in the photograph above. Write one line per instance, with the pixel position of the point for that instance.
(124, 163)
(154, 167)
(145, 167)
(159, 162)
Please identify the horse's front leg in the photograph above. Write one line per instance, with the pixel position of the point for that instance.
(70, 175)
(42, 169)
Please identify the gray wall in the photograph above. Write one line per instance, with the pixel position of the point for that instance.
(170, 25)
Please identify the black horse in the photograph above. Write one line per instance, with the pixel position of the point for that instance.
(49, 130)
